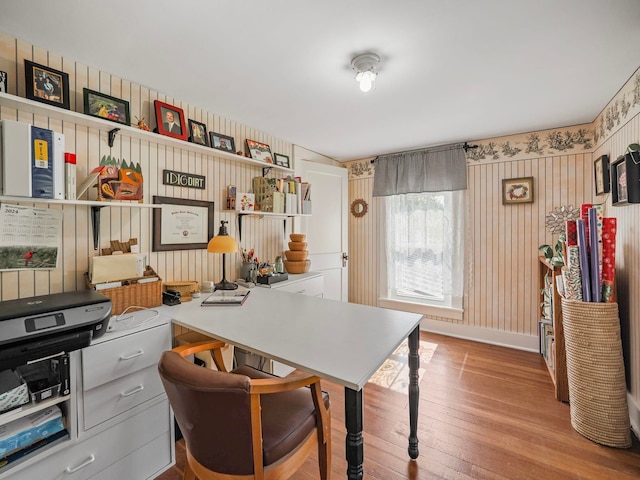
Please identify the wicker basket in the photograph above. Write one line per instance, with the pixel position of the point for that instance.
(132, 293)
(595, 368)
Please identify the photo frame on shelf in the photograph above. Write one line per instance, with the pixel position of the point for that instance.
(259, 151)
(198, 133)
(104, 106)
(625, 181)
(601, 174)
(182, 224)
(46, 85)
(222, 142)
(170, 120)
(281, 160)
(4, 82)
(517, 190)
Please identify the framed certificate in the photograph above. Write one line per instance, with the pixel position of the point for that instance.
(181, 224)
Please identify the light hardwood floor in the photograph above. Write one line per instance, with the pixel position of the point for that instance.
(486, 412)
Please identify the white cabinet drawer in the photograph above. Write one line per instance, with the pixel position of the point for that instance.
(113, 398)
(311, 286)
(89, 457)
(109, 360)
(146, 462)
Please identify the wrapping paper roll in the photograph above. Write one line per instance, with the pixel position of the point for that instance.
(609, 227)
(571, 274)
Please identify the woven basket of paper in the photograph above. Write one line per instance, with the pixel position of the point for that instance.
(139, 292)
(595, 370)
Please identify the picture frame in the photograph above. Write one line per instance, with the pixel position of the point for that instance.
(281, 160)
(198, 133)
(222, 142)
(601, 175)
(259, 151)
(625, 181)
(517, 190)
(46, 85)
(182, 224)
(4, 82)
(170, 120)
(97, 104)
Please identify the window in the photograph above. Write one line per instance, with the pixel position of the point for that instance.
(424, 248)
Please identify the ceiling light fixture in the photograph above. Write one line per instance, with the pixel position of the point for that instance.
(366, 73)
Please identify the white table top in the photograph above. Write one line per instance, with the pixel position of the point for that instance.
(342, 342)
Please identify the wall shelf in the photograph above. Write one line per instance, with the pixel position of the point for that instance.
(30, 106)
(88, 203)
(95, 208)
(283, 216)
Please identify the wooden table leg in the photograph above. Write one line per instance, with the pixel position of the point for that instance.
(354, 442)
(414, 391)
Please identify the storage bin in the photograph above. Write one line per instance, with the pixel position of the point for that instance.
(133, 292)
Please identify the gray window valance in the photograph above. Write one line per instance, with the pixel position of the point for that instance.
(435, 169)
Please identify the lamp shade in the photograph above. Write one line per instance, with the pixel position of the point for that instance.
(223, 242)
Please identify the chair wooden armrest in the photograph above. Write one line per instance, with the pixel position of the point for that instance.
(294, 381)
(214, 346)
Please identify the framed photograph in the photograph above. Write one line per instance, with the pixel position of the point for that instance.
(259, 151)
(4, 82)
(170, 120)
(281, 160)
(625, 181)
(46, 85)
(181, 224)
(517, 190)
(104, 106)
(198, 133)
(222, 142)
(601, 174)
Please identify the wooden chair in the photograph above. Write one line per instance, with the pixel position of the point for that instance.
(245, 424)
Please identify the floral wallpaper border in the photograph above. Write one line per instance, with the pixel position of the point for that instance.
(570, 140)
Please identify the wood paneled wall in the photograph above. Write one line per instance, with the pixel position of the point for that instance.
(501, 289)
(265, 235)
(627, 262)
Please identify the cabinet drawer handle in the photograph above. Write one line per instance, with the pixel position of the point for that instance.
(137, 389)
(133, 355)
(89, 460)
(302, 291)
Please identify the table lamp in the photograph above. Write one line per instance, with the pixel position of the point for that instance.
(223, 243)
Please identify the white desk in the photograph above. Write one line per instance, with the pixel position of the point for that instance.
(341, 342)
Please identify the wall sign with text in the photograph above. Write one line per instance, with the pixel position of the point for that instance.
(180, 179)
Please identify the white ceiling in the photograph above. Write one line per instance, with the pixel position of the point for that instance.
(451, 71)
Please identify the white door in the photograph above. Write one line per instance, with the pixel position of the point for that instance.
(327, 228)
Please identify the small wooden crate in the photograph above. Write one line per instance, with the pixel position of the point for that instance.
(132, 293)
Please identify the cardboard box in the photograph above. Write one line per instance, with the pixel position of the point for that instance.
(27, 430)
(13, 392)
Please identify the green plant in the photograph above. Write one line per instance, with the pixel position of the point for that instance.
(634, 150)
(554, 256)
